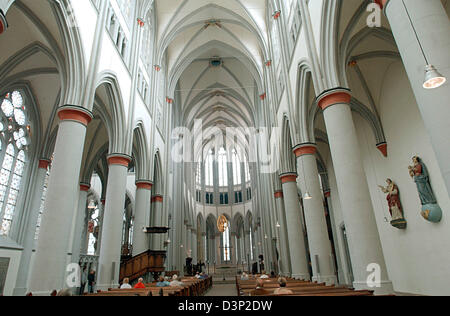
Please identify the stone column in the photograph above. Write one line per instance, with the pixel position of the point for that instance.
(248, 248)
(79, 223)
(142, 216)
(285, 260)
(359, 218)
(340, 273)
(202, 255)
(316, 225)
(195, 252)
(294, 227)
(432, 26)
(157, 203)
(218, 249)
(238, 251)
(29, 239)
(189, 241)
(49, 267)
(110, 250)
(233, 248)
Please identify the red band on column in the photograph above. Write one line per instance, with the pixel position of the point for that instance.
(3, 22)
(290, 177)
(332, 97)
(75, 113)
(383, 149)
(327, 194)
(103, 202)
(84, 187)
(120, 160)
(279, 195)
(157, 199)
(44, 163)
(305, 149)
(144, 185)
(381, 3)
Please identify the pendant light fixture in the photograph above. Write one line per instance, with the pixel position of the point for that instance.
(433, 78)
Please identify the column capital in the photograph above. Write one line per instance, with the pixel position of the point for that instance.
(44, 163)
(85, 187)
(3, 22)
(279, 194)
(157, 199)
(305, 149)
(144, 185)
(75, 113)
(334, 96)
(119, 159)
(288, 177)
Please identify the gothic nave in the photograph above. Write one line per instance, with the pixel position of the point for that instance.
(305, 138)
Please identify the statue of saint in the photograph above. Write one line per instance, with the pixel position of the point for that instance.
(395, 206)
(430, 209)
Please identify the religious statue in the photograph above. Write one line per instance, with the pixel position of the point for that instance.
(395, 206)
(430, 209)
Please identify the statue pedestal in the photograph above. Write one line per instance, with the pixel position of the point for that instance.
(399, 223)
(432, 213)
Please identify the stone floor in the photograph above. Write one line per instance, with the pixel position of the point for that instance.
(222, 290)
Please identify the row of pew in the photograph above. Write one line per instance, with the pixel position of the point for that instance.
(192, 287)
(299, 288)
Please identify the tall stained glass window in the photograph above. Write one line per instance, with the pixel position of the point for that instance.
(14, 135)
(223, 168)
(237, 178)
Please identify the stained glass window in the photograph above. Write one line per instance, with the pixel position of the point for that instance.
(226, 244)
(41, 208)
(223, 167)
(237, 178)
(209, 167)
(14, 141)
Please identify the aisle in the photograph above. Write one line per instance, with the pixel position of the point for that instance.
(222, 290)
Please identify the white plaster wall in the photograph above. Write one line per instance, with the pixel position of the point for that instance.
(417, 258)
(86, 18)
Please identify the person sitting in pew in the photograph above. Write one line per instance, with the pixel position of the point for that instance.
(244, 277)
(175, 282)
(283, 290)
(140, 284)
(203, 276)
(264, 275)
(126, 284)
(162, 282)
(260, 291)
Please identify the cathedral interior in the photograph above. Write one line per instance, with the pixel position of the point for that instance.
(305, 138)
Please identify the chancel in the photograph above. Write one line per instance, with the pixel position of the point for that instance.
(224, 148)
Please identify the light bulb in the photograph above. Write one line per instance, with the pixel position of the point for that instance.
(433, 79)
(307, 196)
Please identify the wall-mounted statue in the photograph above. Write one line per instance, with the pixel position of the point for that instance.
(430, 209)
(395, 205)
